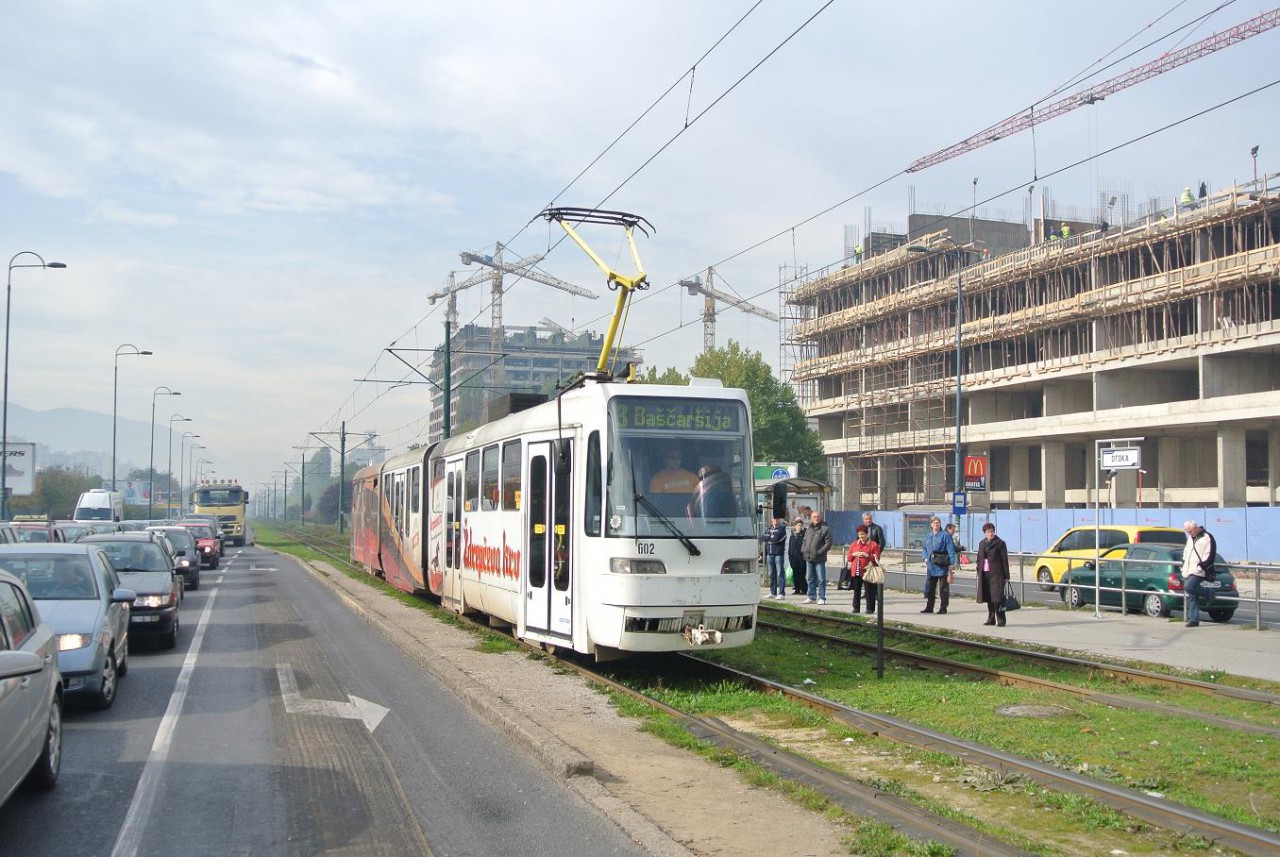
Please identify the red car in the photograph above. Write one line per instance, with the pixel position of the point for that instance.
(208, 542)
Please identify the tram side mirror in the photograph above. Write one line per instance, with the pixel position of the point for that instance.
(562, 462)
(779, 500)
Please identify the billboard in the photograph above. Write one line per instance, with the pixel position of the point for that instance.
(133, 492)
(769, 471)
(20, 469)
(975, 473)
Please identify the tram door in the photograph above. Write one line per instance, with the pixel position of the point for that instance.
(450, 586)
(548, 589)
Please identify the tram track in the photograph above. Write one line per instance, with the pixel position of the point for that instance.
(1022, 680)
(1158, 811)
(1048, 659)
(869, 801)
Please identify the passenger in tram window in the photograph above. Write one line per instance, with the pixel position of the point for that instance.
(672, 478)
(714, 495)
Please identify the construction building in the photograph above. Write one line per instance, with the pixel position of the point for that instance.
(1165, 329)
(527, 360)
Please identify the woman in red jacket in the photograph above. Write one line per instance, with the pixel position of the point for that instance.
(860, 555)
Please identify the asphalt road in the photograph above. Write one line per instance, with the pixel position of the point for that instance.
(282, 724)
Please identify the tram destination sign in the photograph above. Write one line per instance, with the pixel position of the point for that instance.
(679, 415)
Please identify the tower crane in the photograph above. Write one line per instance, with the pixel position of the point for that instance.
(450, 292)
(556, 326)
(1090, 95)
(710, 293)
(522, 267)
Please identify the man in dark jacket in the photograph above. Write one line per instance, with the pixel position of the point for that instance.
(874, 531)
(795, 556)
(817, 544)
(775, 547)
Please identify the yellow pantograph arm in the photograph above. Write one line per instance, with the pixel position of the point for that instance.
(626, 285)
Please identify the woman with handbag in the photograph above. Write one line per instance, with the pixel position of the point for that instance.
(862, 554)
(993, 574)
(939, 558)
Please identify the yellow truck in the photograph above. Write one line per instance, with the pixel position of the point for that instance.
(227, 500)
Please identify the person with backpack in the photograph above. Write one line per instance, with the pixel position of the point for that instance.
(1197, 568)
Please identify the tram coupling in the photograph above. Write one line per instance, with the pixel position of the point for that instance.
(701, 635)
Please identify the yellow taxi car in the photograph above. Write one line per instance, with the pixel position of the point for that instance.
(1079, 544)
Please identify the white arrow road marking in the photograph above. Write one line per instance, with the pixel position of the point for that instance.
(253, 567)
(357, 709)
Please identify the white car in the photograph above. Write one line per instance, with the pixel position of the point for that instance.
(30, 693)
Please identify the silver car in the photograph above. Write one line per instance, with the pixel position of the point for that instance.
(30, 693)
(80, 595)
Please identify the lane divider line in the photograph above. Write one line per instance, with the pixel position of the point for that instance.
(144, 796)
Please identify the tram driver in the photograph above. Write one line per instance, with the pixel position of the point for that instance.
(672, 478)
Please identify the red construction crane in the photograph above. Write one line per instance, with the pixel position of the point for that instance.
(1023, 121)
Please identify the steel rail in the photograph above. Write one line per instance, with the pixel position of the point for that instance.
(1013, 679)
(1128, 673)
(1159, 812)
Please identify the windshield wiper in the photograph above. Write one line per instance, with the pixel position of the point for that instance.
(642, 500)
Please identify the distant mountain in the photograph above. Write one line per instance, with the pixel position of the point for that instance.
(72, 430)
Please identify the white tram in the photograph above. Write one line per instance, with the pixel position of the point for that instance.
(615, 518)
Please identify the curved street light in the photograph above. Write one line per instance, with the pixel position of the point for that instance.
(182, 472)
(191, 473)
(168, 491)
(115, 397)
(4, 420)
(151, 462)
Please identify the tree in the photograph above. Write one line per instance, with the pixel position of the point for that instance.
(327, 505)
(779, 429)
(55, 495)
(670, 375)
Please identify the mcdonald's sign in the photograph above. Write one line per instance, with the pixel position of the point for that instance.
(975, 473)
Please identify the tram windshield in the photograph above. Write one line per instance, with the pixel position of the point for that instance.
(688, 459)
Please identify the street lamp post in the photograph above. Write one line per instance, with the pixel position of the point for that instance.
(168, 475)
(151, 462)
(183, 473)
(191, 472)
(957, 484)
(4, 420)
(115, 398)
(199, 475)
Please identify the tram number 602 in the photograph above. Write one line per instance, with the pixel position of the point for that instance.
(645, 548)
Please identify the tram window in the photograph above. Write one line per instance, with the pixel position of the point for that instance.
(560, 526)
(511, 475)
(591, 512)
(489, 498)
(415, 490)
(538, 522)
(449, 538)
(472, 482)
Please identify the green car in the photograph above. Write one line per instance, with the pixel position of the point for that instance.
(1151, 577)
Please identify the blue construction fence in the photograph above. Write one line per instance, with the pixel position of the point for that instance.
(1244, 535)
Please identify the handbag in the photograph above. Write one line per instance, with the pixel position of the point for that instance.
(874, 573)
(1010, 600)
(941, 558)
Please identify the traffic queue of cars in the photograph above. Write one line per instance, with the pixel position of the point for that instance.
(72, 598)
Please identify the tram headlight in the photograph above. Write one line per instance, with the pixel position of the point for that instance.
(736, 566)
(628, 565)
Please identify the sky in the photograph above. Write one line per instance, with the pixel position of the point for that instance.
(265, 193)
